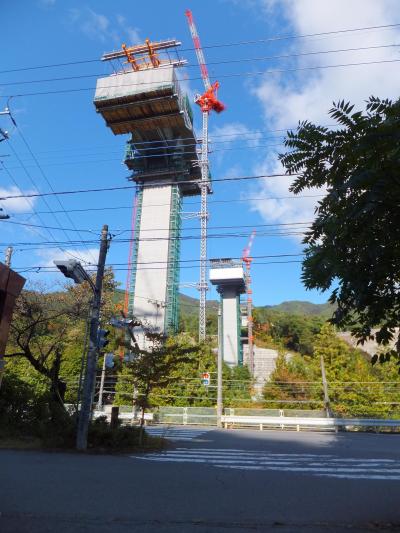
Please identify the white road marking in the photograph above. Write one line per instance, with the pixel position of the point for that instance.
(176, 434)
(325, 465)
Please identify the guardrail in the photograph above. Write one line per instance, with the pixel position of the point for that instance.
(306, 422)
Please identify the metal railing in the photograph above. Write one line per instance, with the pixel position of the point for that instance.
(260, 418)
(299, 422)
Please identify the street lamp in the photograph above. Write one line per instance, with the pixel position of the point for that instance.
(74, 270)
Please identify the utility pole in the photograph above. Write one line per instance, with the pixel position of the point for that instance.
(90, 374)
(9, 252)
(327, 403)
(219, 369)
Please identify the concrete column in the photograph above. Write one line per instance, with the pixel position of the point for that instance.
(230, 331)
(150, 271)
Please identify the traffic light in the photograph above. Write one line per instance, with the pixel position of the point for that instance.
(72, 269)
(102, 340)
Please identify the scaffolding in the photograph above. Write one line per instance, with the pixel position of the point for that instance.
(135, 249)
(172, 296)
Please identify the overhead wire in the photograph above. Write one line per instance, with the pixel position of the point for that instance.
(34, 211)
(153, 183)
(39, 268)
(219, 62)
(235, 226)
(30, 203)
(44, 175)
(152, 156)
(234, 133)
(229, 200)
(272, 233)
(222, 45)
(219, 76)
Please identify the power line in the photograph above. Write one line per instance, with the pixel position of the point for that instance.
(272, 233)
(37, 269)
(232, 200)
(234, 133)
(31, 205)
(270, 256)
(220, 76)
(152, 156)
(28, 200)
(46, 179)
(222, 45)
(28, 224)
(165, 143)
(220, 62)
(126, 187)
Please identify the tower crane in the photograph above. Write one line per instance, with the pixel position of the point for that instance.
(247, 259)
(208, 102)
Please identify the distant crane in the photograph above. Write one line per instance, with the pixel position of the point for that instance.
(208, 101)
(247, 259)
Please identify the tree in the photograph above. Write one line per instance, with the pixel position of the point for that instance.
(283, 330)
(38, 331)
(151, 368)
(46, 336)
(353, 244)
(355, 388)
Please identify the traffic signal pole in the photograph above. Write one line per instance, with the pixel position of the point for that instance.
(219, 370)
(91, 366)
(103, 377)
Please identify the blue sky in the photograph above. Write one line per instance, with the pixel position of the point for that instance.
(76, 151)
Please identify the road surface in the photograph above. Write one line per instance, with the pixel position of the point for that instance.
(209, 481)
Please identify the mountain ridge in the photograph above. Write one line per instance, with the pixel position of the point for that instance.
(190, 305)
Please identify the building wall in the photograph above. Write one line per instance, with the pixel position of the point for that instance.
(230, 331)
(150, 291)
(264, 365)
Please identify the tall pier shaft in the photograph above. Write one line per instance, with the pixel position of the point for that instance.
(228, 276)
(161, 154)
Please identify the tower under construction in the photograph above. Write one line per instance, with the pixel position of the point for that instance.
(143, 99)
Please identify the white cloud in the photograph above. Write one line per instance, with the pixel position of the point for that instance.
(228, 135)
(131, 32)
(99, 27)
(234, 131)
(278, 208)
(16, 205)
(286, 98)
(85, 256)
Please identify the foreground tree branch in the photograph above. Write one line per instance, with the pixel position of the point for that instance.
(353, 245)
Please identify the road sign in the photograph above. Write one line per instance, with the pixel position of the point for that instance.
(205, 378)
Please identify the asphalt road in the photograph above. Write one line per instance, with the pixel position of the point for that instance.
(209, 481)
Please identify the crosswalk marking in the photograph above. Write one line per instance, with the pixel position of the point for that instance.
(325, 465)
(176, 434)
